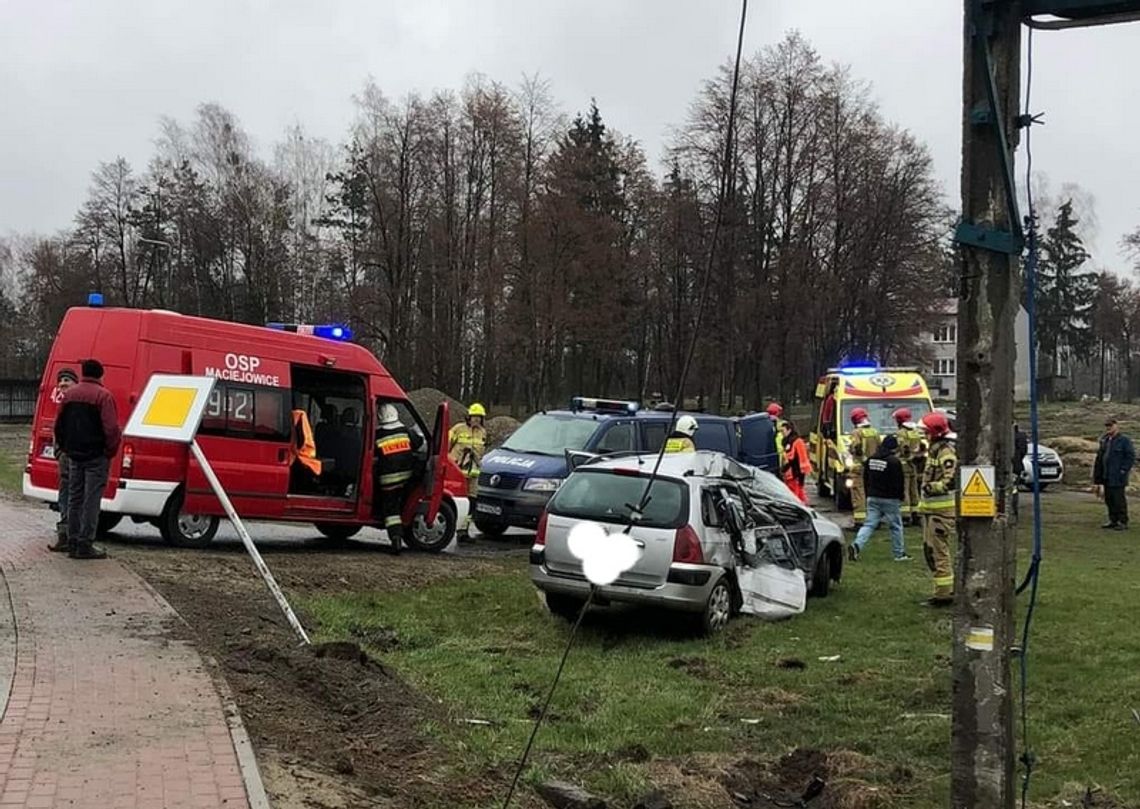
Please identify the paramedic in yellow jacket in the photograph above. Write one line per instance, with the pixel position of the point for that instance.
(939, 525)
(681, 439)
(864, 443)
(466, 444)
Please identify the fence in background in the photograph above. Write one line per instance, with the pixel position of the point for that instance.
(18, 400)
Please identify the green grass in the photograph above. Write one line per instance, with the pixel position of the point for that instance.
(488, 650)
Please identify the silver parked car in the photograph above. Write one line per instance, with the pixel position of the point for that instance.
(1052, 468)
(689, 533)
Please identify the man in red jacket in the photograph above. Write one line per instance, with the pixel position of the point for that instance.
(87, 431)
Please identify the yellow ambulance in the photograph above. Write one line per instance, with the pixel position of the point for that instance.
(879, 391)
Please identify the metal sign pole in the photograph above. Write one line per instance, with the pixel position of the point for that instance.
(239, 526)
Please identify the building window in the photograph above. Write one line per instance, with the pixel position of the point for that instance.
(946, 333)
(948, 367)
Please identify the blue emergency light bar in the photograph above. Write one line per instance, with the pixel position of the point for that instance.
(579, 403)
(95, 299)
(858, 369)
(329, 331)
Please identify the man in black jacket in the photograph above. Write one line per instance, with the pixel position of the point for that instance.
(1111, 470)
(885, 484)
(87, 431)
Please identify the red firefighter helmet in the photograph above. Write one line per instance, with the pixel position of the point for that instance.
(936, 424)
(858, 416)
(902, 415)
(775, 410)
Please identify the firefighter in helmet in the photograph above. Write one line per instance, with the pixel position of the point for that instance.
(775, 411)
(910, 453)
(864, 443)
(393, 468)
(939, 528)
(681, 439)
(466, 444)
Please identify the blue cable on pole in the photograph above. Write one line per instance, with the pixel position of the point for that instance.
(1033, 574)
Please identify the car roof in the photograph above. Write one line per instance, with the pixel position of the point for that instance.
(700, 464)
(660, 415)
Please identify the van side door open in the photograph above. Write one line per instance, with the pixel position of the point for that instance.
(436, 466)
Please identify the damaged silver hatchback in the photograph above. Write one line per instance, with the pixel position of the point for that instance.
(716, 537)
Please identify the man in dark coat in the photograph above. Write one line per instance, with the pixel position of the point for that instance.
(1113, 465)
(1020, 450)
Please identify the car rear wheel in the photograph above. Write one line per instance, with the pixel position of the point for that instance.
(438, 535)
(718, 609)
(490, 528)
(337, 531)
(565, 607)
(186, 530)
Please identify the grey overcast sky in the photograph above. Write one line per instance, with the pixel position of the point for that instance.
(86, 80)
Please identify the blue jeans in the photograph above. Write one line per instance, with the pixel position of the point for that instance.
(880, 509)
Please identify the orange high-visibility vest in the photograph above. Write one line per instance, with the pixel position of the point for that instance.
(304, 448)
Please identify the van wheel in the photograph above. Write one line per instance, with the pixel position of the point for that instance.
(337, 531)
(438, 535)
(821, 579)
(107, 522)
(186, 530)
(718, 609)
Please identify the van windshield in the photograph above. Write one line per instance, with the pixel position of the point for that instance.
(599, 494)
(545, 434)
(879, 411)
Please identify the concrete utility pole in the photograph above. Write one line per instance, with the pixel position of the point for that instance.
(982, 743)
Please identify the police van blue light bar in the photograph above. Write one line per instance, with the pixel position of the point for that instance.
(329, 331)
(603, 405)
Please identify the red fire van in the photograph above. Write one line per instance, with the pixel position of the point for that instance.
(263, 376)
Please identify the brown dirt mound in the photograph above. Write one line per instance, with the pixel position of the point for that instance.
(317, 693)
(426, 400)
(784, 781)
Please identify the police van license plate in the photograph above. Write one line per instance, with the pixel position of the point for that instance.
(488, 508)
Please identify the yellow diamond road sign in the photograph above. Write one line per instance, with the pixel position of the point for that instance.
(170, 408)
(977, 485)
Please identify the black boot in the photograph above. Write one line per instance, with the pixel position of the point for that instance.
(88, 550)
(62, 543)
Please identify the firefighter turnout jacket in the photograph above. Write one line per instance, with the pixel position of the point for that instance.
(940, 479)
(466, 445)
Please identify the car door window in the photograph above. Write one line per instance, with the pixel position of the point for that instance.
(653, 433)
(713, 436)
(618, 438)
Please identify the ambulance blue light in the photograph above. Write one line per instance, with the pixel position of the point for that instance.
(858, 369)
(95, 299)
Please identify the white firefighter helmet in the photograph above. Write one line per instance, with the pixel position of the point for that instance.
(686, 425)
(389, 416)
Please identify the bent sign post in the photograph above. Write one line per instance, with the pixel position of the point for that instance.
(170, 409)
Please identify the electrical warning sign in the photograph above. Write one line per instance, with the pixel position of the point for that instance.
(977, 485)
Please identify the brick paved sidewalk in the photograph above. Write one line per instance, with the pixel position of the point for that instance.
(105, 709)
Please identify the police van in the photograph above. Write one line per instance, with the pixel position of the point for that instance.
(517, 479)
(268, 380)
